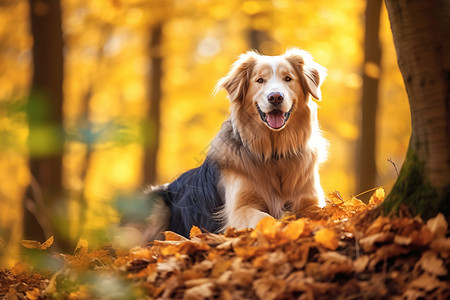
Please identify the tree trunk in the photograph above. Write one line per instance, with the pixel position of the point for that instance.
(421, 37)
(152, 130)
(369, 100)
(44, 205)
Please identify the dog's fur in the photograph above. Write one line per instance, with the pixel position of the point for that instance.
(264, 160)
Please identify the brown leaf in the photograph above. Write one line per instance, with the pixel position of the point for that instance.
(441, 245)
(377, 225)
(20, 268)
(199, 292)
(425, 282)
(37, 245)
(47, 243)
(360, 264)
(220, 267)
(269, 288)
(169, 286)
(438, 226)
(432, 264)
(368, 243)
(31, 244)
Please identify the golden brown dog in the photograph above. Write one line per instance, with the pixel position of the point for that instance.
(263, 162)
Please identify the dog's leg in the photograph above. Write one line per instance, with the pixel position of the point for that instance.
(246, 217)
(311, 198)
(243, 208)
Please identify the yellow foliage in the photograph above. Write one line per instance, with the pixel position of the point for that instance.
(107, 66)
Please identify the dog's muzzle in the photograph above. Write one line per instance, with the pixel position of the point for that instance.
(275, 119)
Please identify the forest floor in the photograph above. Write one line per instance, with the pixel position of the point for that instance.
(351, 253)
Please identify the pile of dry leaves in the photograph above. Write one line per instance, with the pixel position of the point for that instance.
(347, 255)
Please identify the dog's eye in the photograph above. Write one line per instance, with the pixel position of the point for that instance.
(260, 80)
(287, 78)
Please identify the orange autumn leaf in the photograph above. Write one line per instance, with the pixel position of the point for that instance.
(33, 294)
(20, 268)
(172, 236)
(194, 232)
(37, 245)
(335, 198)
(354, 202)
(377, 197)
(327, 238)
(170, 250)
(47, 243)
(267, 226)
(294, 229)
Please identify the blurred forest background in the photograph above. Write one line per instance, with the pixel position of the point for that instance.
(99, 98)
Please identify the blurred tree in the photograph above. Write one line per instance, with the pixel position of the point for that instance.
(257, 37)
(152, 132)
(366, 170)
(45, 211)
(421, 30)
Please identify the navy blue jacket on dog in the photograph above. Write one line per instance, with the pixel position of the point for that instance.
(194, 199)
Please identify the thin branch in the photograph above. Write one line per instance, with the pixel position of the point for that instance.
(395, 167)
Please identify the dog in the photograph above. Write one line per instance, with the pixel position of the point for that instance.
(263, 162)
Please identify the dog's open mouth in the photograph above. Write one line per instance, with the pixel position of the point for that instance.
(275, 119)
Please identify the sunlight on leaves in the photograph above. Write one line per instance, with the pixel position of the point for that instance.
(37, 245)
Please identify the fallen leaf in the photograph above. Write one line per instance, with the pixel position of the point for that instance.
(267, 226)
(377, 225)
(425, 282)
(377, 197)
(20, 268)
(327, 238)
(47, 243)
(438, 225)
(81, 248)
(37, 245)
(199, 292)
(441, 245)
(172, 236)
(269, 288)
(368, 243)
(220, 267)
(194, 232)
(33, 294)
(293, 230)
(360, 264)
(430, 263)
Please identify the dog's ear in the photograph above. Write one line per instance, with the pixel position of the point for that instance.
(237, 80)
(312, 73)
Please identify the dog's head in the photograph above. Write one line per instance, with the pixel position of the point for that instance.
(272, 88)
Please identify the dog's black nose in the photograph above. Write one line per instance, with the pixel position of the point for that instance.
(275, 98)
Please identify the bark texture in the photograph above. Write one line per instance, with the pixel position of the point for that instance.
(421, 37)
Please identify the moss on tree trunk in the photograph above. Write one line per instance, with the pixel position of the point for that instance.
(420, 29)
(413, 190)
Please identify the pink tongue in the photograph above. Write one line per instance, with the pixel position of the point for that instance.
(275, 119)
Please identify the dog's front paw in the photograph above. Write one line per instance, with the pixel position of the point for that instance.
(246, 219)
(313, 212)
